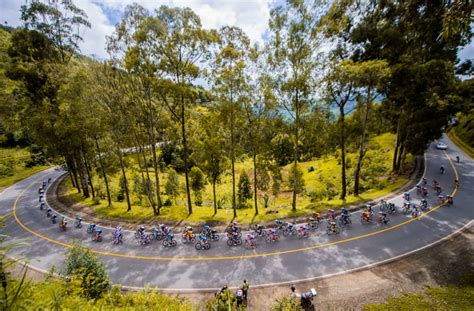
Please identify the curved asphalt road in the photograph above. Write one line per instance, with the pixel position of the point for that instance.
(290, 260)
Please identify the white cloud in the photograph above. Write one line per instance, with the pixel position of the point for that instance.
(250, 15)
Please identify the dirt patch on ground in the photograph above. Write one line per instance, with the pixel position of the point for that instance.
(446, 263)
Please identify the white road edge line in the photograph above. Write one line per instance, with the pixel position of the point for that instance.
(208, 289)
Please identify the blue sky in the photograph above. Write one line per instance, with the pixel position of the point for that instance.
(250, 15)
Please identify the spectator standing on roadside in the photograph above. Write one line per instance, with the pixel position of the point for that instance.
(245, 288)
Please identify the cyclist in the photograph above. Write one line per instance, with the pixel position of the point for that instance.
(424, 203)
(457, 159)
(331, 214)
(260, 229)
(78, 222)
(442, 169)
(425, 181)
(188, 232)
(97, 235)
(317, 216)
(141, 231)
(345, 215)
(332, 225)
(63, 224)
(235, 227)
(456, 183)
(366, 215)
(406, 195)
(383, 217)
(449, 199)
(165, 229)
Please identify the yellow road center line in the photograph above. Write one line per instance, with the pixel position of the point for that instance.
(296, 250)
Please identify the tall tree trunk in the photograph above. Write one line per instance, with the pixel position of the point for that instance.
(232, 153)
(214, 196)
(155, 168)
(397, 146)
(101, 162)
(362, 145)
(69, 169)
(124, 175)
(89, 175)
(145, 181)
(295, 152)
(83, 177)
(399, 159)
(185, 147)
(255, 182)
(148, 185)
(151, 133)
(343, 152)
(74, 174)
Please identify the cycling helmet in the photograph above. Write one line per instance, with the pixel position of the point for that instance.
(206, 227)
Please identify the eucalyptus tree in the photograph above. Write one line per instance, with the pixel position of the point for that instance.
(208, 152)
(114, 98)
(178, 50)
(259, 106)
(132, 48)
(293, 44)
(369, 77)
(416, 38)
(340, 89)
(60, 21)
(229, 80)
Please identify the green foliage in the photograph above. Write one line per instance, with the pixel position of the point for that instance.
(86, 267)
(60, 294)
(297, 183)
(244, 191)
(6, 169)
(198, 182)
(282, 149)
(464, 129)
(287, 304)
(172, 183)
(438, 298)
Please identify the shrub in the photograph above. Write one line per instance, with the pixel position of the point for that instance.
(6, 170)
(282, 149)
(198, 182)
(244, 189)
(317, 195)
(299, 179)
(86, 267)
(172, 184)
(287, 304)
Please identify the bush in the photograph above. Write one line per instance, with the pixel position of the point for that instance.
(198, 183)
(6, 170)
(172, 184)
(317, 195)
(282, 149)
(299, 179)
(287, 304)
(244, 191)
(86, 267)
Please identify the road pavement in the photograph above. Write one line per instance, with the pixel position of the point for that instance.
(291, 260)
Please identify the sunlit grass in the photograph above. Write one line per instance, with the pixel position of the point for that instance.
(16, 159)
(326, 170)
